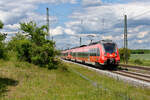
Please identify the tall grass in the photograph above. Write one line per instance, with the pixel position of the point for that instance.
(35, 83)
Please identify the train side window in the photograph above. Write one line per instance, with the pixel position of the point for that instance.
(90, 52)
(79, 54)
(98, 52)
(73, 54)
(95, 51)
(86, 54)
(83, 54)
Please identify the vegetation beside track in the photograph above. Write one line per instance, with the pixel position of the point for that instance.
(25, 81)
(136, 57)
(139, 59)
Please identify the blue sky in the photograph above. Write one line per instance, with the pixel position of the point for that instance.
(71, 19)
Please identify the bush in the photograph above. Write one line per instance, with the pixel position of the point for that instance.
(138, 61)
(44, 55)
(14, 42)
(23, 49)
(3, 49)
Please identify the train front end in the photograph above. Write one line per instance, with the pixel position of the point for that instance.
(110, 53)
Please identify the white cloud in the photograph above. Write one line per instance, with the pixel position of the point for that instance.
(57, 31)
(108, 20)
(12, 27)
(139, 41)
(94, 17)
(60, 30)
(142, 34)
(107, 37)
(14, 11)
(69, 31)
(91, 2)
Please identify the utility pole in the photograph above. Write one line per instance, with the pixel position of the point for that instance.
(47, 9)
(103, 21)
(80, 41)
(125, 40)
(81, 32)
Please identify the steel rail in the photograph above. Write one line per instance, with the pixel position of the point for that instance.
(138, 76)
(135, 73)
(131, 76)
(135, 67)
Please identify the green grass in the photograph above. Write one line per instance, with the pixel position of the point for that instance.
(140, 56)
(144, 58)
(24, 81)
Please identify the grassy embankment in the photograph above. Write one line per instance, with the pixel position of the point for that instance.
(24, 81)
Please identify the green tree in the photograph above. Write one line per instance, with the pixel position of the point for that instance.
(3, 54)
(1, 24)
(122, 54)
(36, 33)
(34, 47)
(2, 36)
(15, 40)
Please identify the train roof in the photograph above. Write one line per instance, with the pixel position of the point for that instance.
(101, 42)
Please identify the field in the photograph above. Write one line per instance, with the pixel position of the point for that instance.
(144, 58)
(140, 56)
(24, 81)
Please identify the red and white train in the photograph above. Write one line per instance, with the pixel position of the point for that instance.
(104, 52)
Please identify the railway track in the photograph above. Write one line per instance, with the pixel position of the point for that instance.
(135, 67)
(133, 77)
(138, 76)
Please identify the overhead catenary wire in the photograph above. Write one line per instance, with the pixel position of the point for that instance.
(140, 14)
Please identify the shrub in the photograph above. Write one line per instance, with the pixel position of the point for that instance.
(3, 49)
(44, 55)
(14, 42)
(138, 61)
(23, 49)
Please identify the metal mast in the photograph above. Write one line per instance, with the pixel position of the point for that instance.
(48, 36)
(125, 40)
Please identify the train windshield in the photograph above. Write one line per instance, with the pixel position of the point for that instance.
(109, 47)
